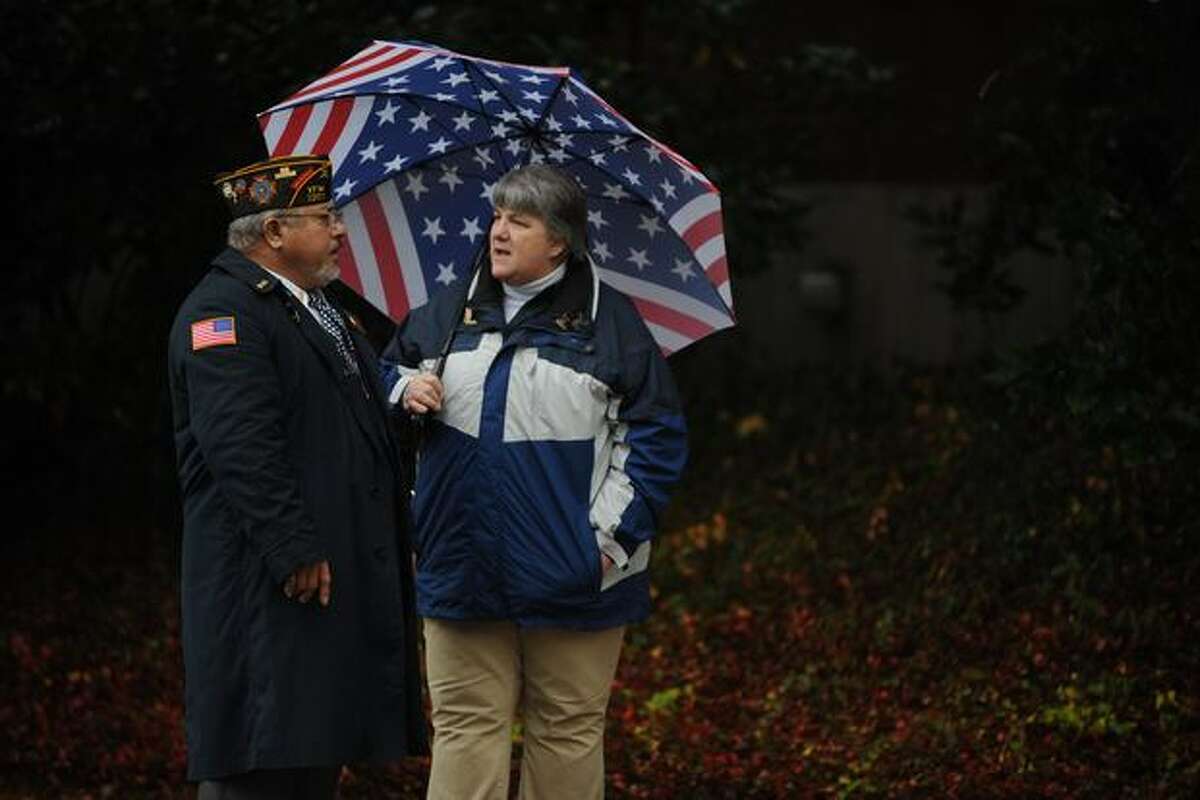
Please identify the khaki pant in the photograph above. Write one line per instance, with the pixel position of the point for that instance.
(479, 672)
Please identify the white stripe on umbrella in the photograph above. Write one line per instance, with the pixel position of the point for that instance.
(387, 62)
(406, 249)
(668, 340)
(361, 258)
(272, 128)
(688, 306)
(331, 128)
(313, 127)
(699, 224)
(358, 116)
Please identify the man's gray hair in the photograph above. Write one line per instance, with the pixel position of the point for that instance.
(550, 194)
(245, 231)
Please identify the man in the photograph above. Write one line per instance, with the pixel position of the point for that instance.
(298, 629)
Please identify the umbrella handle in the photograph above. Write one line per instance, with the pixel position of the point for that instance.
(418, 421)
(477, 264)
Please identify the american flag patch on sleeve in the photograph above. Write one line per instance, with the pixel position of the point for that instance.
(212, 332)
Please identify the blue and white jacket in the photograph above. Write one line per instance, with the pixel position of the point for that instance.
(560, 438)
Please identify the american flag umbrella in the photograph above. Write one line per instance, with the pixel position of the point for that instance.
(419, 135)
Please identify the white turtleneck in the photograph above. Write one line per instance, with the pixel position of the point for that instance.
(517, 296)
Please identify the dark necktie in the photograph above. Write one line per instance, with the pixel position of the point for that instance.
(334, 325)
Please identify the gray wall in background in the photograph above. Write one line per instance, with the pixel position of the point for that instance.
(890, 309)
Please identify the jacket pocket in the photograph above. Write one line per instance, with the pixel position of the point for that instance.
(593, 571)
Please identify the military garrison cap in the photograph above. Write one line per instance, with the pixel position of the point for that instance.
(276, 183)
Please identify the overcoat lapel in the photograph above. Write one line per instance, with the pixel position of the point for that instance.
(347, 383)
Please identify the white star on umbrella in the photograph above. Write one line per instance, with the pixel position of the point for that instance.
(650, 225)
(446, 274)
(387, 113)
(483, 157)
(456, 78)
(450, 178)
(606, 120)
(615, 191)
(653, 154)
(684, 270)
(638, 257)
(488, 95)
(600, 251)
(396, 164)
(565, 139)
(632, 177)
(597, 158)
(345, 189)
(508, 115)
(536, 97)
(534, 79)
(369, 152)
(416, 185)
(440, 146)
(463, 121)
(514, 146)
(553, 125)
(495, 76)
(499, 130)
(597, 218)
(619, 143)
(420, 122)
(581, 122)
(441, 63)
(396, 80)
(445, 97)
(471, 228)
(433, 228)
(668, 188)
(569, 96)
(559, 156)
(485, 191)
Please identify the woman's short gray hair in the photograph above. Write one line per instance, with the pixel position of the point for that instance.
(245, 231)
(550, 194)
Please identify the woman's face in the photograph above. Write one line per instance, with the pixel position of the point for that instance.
(522, 247)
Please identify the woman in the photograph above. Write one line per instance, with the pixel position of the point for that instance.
(551, 441)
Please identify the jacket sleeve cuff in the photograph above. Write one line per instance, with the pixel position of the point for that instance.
(397, 394)
(613, 549)
(293, 553)
(627, 544)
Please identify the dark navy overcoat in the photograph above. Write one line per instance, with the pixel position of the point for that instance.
(285, 458)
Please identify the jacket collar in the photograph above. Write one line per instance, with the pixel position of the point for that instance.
(249, 272)
(568, 305)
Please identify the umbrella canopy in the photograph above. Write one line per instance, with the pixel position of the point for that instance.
(419, 135)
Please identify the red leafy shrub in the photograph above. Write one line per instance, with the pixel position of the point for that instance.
(927, 598)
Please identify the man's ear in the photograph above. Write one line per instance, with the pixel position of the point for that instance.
(272, 233)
